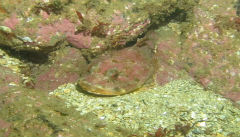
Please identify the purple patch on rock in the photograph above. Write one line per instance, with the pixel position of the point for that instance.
(11, 22)
(66, 28)
(79, 41)
(66, 69)
(167, 54)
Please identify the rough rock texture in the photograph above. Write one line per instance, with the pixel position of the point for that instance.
(47, 116)
(167, 50)
(67, 66)
(211, 52)
(8, 79)
(92, 25)
(208, 50)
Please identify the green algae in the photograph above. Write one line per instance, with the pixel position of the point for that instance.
(162, 12)
(53, 6)
(8, 39)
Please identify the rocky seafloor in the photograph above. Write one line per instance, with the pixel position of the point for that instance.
(179, 103)
(120, 68)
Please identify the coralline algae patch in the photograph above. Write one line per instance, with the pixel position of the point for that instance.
(180, 101)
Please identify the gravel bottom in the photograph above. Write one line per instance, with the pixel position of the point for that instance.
(178, 102)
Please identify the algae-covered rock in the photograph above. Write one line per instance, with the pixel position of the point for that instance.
(8, 79)
(32, 113)
(210, 52)
(95, 25)
(66, 67)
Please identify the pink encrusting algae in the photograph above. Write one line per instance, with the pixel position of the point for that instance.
(11, 22)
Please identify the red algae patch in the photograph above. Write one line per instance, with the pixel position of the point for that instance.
(66, 68)
(116, 73)
(11, 22)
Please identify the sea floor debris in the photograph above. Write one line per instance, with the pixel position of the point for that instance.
(180, 101)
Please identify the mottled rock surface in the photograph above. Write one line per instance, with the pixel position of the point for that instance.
(8, 79)
(67, 66)
(31, 113)
(95, 26)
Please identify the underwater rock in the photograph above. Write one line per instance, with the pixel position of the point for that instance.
(167, 52)
(67, 67)
(95, 26)
(117, 73)
(211, 52)
(8, 79)
(28, 34)
(44, 27)
(47, 116)
(234, 96)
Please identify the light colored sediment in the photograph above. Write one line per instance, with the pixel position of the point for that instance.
(178, 102)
